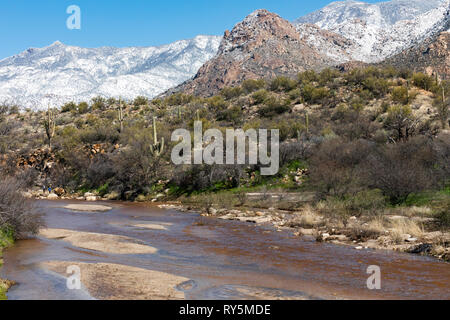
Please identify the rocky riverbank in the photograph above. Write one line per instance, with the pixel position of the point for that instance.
(386, 233)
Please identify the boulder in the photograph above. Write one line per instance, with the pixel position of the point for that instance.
(59, 191)
(91, 198)
(141, 198)
(52, 196)
(112, 195)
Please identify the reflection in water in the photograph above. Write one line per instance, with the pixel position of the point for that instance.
(223, 259)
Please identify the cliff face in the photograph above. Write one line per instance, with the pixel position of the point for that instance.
(431, 57)
(263, 45)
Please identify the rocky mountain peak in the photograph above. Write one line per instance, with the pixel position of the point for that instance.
(257, 28)
(263, 45)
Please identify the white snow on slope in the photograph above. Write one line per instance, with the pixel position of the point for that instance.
(383, 29)
(61, 73)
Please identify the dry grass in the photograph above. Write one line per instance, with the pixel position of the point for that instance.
(401, 227)
(415, 211)
(306, 218)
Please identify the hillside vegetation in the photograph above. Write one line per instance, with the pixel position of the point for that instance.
(367, 143)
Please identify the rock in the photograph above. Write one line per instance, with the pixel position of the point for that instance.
(421, 248)
(339, 237)
(88, 194)
(306, 232)
(27, 195)
(52, 196)
(298, 108)
(112, 195)
(261, 45)
(411, 240)
(59, 191)
(160, 195)
(212, 211)
(91, 198)
(359, 248)
(325, 236)
(87, 208)
(141, 198)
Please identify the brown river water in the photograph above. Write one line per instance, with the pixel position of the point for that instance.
(223, 259)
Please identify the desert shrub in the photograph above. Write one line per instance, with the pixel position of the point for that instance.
(365, 202)
(251, 85)
(100, 170)
(230, 93)
(99, 103)
(177, 99)
(68, 107)
(216, 103)
(136, 168)
(443, 217)
(401, 169)
(198, 178)
(282, 84)
(98, 134)
(336, 167)
(441, 103)
(140, 101)
(274, 106)
(295, 94)
(296, 150)
(400, 95)
(401, 121)
(233, 115)
(307, 76)
(17, 213)
(82, 108)
(423, 81)
(260, 96)
(328, 75)
(378, 87)
(315, 95)
(355, 76)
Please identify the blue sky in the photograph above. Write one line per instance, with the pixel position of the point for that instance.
(25, 23)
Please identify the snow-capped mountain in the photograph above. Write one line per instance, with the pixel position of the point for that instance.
(383, 29)
(60, 73)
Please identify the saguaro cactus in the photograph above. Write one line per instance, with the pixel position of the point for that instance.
(50, 126)
(157, 148)
(121, 117)
(444, 109)
(307, 122)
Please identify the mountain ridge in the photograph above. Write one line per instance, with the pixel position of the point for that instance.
(59, 73)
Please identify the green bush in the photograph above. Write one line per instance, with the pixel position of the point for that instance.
(282, 84)
(251, 85)
(140, 101)
(273, 107)
(260, 96)
(68, 107)
(423, 81)
(229, 93)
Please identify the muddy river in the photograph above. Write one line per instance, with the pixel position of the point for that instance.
(215, 259)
